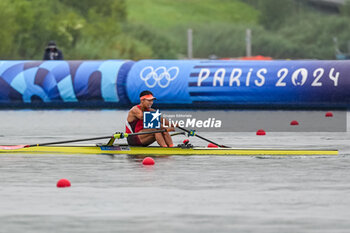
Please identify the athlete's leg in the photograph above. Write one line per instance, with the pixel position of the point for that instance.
(168, 139)
(147, 139)
(160, 139)
(163, 139)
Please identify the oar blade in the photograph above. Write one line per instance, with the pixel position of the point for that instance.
(15, 147)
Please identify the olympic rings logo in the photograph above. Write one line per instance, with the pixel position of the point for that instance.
(161, 76)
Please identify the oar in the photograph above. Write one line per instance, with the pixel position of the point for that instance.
(117, 136)
(177, 133)
(205, 139)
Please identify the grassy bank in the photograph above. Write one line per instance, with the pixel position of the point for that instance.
(165, 14)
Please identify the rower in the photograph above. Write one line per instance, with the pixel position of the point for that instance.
(134, 124)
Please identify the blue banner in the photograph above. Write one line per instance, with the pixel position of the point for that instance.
(177, 83)
(62, 81)
(245, 83)
(167, 79)
(269, 82)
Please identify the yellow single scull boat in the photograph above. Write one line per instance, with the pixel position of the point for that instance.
(158, 151)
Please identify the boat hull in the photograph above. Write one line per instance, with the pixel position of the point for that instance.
(164, 151)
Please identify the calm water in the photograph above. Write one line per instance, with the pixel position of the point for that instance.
(188, 194)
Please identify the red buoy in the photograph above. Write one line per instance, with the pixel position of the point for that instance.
(329, 114)
(63, 183)
(294, 123)
(212, 145)
(260, 132)
(148, 161)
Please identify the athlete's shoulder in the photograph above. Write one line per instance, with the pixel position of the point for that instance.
(136, 107)
(135, 110)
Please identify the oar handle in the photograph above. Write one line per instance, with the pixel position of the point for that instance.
(205, 139)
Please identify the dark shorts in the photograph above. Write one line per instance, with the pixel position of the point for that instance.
(134, 141)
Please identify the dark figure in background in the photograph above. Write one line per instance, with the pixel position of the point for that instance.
(52, 52)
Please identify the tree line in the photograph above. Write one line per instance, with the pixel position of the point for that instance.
(93, 29)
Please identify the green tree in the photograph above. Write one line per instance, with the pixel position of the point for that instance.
(162, 45)
(273, 13)
(106, 8)
(345, 9)
(8, 29)
(41, 21)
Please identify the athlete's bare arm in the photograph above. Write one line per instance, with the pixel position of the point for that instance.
(135, 114)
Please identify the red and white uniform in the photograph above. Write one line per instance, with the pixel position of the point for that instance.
(134, 127)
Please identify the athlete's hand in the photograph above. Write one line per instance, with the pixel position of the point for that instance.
(170, 129)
